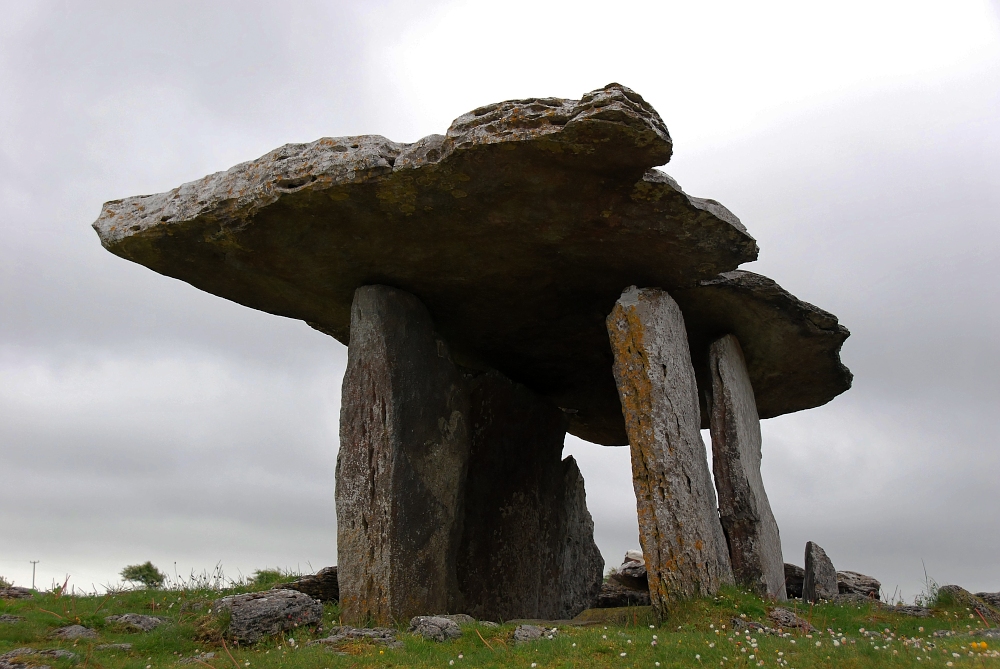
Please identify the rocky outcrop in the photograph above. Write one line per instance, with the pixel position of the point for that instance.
(614, 595)
(747, 521)
(15, 592)
(8, 619)
(382, 636)
(853, 583)
(135, 622)
(632, 574)
(820, 579)
(991, 598)
(257, 615)
(682, 541)
(435, 628)
(404, 449)
(73, 632)
(954, 594)
(322, 586)
(787, 620)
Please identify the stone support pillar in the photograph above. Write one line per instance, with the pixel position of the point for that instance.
(749, 525)
(679, 529)
(528, 546)
(404, 447)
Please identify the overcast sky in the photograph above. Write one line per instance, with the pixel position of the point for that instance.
(141, 419)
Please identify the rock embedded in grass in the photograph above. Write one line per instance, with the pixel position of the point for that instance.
(526, 633)
(72, 632)
(323, 585)
(135, 622)
(785, 619)
(435, 628)
(8, 619)
(383, 636)
(15, 592)
(257, 615)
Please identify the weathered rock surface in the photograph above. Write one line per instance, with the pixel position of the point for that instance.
(15, 592)
(136, 622)
(787, 620)
(991, 598)
(614, 595)
(197, 659)
(25, 658)
(794, 575)
(517, 229)
(527, 549)
(820, 580)
(632, 575)
(682, 541)
(256, 615)
(435, 628)
(404, 448)
(791, 348)
(383, 636)
(853, 583)
(8, 619)
(322, 585)
(525, 633)
(959, 595)
(747, 521)
(113, 646)
(71, 632)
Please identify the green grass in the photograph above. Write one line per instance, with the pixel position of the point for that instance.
(697, 633)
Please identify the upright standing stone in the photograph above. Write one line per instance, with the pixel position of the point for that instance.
(749, 525)
(528, 546)
(404, 448)
(679, 527)
(820, 580)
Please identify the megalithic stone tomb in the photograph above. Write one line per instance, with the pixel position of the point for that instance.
(508, 241)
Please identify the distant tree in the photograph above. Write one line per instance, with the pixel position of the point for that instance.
(147, 574)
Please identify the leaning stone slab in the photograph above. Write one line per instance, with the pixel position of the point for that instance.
(135, 622)
(747, 520)
(404, 448)
(322, 586)
(435, 628)
(682, 541)
(820, 579)
(257, 615)
(525, 212)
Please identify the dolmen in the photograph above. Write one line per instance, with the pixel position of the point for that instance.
(527, 274)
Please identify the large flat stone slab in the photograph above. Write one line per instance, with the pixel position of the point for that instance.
(517, 229)
(679, 529)
(747, 520)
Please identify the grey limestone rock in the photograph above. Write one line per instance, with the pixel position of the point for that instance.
(794, 575)
(15, 592)
(682, 540)
(786, 620)
(26, 658)
(749, 525)
(526, 633)
(71, 632)
(323, 585)
(113, 646)
(135, 622)
(632, 574)
(435, 628)
(197, 659)
(614, 595)
(991, 598)
(257, 615)
(958, 595)
(404, 449)
(383, 636)
(820, 580)
(8, 619)
(854, 583)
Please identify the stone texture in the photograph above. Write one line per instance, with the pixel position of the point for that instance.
(8, 619)
(527, 549)
(517, 229)
(794, 575)
(632, 575)
(322, 586)
(747, 521)
(614, 595)
(404, 448)
(787, 620)
(679, 529)
(136, 622)
(26, 658)
(257, 615)
(791, 348)
(853, 583)
(113, 646)
(820, 579)
(525, 633)
(435, 628)
(955, 594)
(991, 598)
(382, 636)
(15, 592)
(72, 632)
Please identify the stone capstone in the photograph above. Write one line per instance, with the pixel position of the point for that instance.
(794, 575)
(322, 586)
(257, 615)
(853, 583)
(820, 579)
(401, 468)
(747, 521)
(71, 632)
(682, 540)
(435, 628)
(517, 229)
(135, 622)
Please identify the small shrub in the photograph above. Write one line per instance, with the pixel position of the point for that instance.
(146, 574)
(265, 578)
(4, 583)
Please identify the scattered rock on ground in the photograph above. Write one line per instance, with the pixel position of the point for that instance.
(14, 592)
(114, 646)
(136, 622)
(8, 619)
(435, 628)
(991, 598)
(10, 659)
(853, 583)
(74, 632)
(322, 586)
(785, 619)
(197, 659)
(256, 615)
(992, 633)
(384, 636)
(525, 633)
(794, 576)
(459, 618)
(820, 581)
(614, 595)
(908, 610)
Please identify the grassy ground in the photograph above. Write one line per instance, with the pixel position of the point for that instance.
(699, 633)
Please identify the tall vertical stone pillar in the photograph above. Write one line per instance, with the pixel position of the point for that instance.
(749, 525)
(679, 527)
(404, 448)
